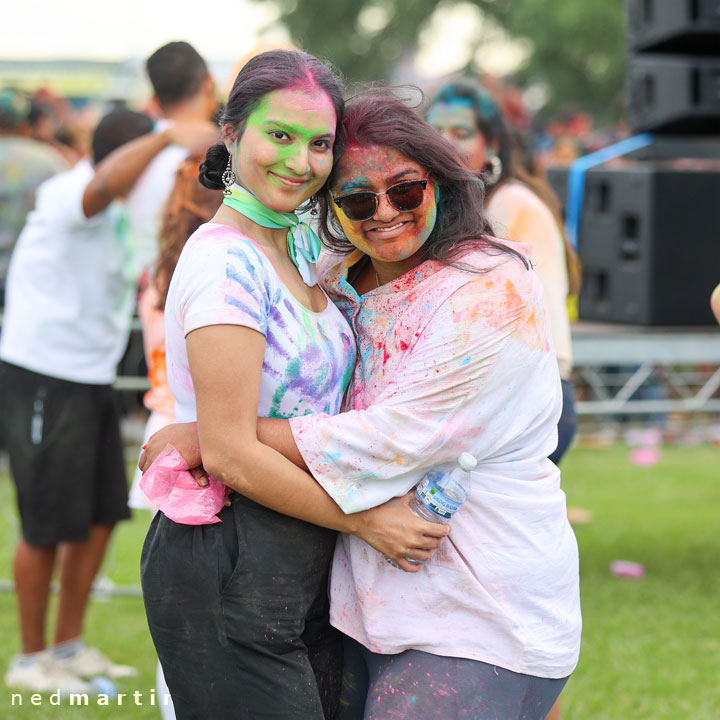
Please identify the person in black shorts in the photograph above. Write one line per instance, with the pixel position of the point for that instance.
(70, 296)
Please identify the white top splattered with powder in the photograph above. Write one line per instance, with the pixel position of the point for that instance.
(223, 278)
(452, 361)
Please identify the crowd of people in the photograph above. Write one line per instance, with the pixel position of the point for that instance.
(69, 299)
(337, 297)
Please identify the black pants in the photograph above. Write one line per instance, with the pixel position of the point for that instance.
(238, 612)
(567, 423)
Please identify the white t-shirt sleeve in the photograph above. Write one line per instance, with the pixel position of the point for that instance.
(222, 283)
(60, 200)
(454, 391)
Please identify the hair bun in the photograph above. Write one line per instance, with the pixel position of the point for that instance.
(213, 167)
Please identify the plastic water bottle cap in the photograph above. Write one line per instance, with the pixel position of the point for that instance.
(467, 461)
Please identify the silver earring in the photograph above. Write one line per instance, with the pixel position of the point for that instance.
(313, 206)
(495, 172)
(228, 177)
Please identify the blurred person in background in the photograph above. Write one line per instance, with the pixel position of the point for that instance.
(522, 208)
(24, 164)
(715, 303)
(45, 126)
(70, 296)
(184, 91)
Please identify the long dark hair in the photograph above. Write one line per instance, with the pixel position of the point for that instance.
(379, 117)
(491, 124)
(263, 74)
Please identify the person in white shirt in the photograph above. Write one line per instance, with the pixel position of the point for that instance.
(183, 91)
(70, 294)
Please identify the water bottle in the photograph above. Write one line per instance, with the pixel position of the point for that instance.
(438, 496)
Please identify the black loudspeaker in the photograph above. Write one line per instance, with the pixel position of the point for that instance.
(690, 27)
(649, 242)
(674, 94)
(557, 179)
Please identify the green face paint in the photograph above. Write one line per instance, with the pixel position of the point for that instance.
(284, 155)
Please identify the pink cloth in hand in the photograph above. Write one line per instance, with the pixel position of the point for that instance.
(171, 488)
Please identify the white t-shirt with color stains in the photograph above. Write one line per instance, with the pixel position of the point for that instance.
(451, 361)
(223, 278)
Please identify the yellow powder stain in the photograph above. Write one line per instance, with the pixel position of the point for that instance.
(500, 305)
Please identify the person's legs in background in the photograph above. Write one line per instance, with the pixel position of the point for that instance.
(79, 564)
(67, 462)
(32, 571)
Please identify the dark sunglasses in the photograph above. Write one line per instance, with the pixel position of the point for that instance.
(405, 196)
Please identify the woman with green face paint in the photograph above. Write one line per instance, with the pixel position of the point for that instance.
(238, 609)
(454, 354)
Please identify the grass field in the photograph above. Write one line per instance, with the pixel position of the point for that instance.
(651, 647)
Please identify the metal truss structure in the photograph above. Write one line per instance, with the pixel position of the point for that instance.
(626, 370)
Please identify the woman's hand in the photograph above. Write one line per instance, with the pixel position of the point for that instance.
(398, 533)
(182, 436)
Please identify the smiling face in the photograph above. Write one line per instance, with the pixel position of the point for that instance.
(284, 155)
(456, 123)
(390, 235)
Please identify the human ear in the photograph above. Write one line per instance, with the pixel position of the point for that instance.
(228, 137)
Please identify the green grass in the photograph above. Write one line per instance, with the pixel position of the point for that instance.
(651, 647)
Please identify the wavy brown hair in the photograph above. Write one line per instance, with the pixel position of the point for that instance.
(377, 116)
(189, 206)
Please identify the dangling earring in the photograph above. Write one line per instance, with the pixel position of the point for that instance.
(313, 206)
(495, 171)
(228, 177)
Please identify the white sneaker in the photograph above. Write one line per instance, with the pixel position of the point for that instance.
(44, 676)
(90, 661)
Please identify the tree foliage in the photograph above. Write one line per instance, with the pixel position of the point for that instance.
(577, 49)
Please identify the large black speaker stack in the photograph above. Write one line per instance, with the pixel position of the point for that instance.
(649, 232)
(674, 71)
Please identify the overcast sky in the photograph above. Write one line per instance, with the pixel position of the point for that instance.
(221, 30)
(88, 29)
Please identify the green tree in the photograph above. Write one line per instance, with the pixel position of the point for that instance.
(577, 51)
(576, 48)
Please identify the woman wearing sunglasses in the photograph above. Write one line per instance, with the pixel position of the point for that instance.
(454, 354)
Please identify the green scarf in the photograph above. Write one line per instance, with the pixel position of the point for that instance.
(303, 244)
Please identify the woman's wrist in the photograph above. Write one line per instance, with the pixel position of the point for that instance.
(355, 523)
